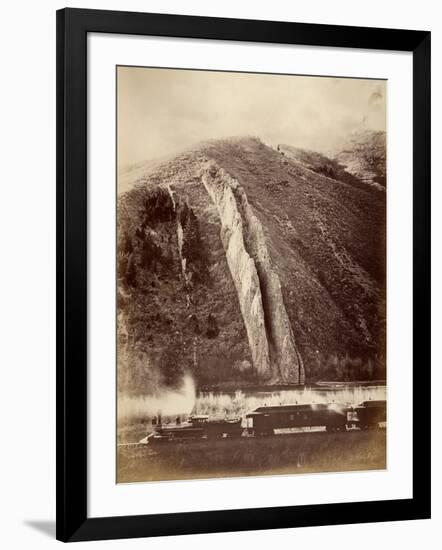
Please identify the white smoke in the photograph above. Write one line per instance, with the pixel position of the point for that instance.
(165, 401)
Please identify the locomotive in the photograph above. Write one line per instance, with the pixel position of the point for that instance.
(196, 427)
(265, 420)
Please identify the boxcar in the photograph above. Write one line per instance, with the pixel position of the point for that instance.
(370, 413)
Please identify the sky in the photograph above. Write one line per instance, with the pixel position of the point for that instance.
(161, 112)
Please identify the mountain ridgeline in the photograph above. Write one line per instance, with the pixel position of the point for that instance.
(245, 264)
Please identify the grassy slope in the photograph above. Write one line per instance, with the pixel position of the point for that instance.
(327, 241)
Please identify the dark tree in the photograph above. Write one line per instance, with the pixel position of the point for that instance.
(212, 326)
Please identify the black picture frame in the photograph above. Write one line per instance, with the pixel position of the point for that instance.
(73, 25)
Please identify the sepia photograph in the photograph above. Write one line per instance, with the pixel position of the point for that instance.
(250, 274)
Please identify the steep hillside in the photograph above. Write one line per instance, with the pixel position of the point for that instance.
(244, 266)
(364, 156)
(321, 164)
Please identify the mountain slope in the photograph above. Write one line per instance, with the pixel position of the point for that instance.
(322, 165)
(243, 265)
(364, 156)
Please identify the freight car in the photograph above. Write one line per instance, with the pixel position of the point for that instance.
(370, 413)
(263, 421)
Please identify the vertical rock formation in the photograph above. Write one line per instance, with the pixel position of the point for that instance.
(283, 351)
(242, 267)
(259, 290)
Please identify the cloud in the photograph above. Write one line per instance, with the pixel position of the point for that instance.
(376, 97)
(162, 111)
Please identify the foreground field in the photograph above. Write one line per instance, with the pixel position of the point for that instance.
(281, 454)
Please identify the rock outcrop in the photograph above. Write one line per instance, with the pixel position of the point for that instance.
(270, 335)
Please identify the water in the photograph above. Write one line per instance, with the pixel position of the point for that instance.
(186, 401)
(241, 402)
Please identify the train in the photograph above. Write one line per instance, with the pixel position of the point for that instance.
(265, 420)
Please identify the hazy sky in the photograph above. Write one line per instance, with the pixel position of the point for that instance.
(162, 111)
